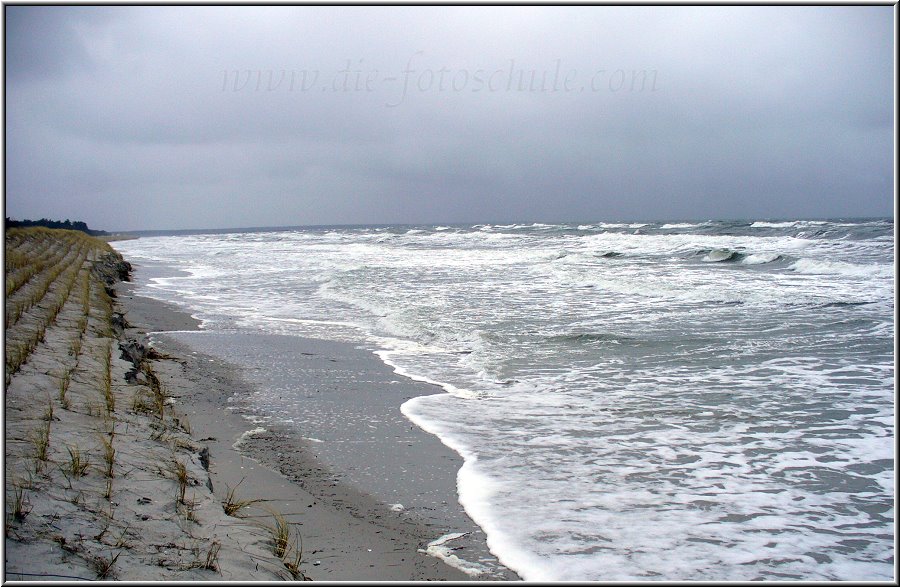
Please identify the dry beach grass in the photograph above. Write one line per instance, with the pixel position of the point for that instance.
(103, 479)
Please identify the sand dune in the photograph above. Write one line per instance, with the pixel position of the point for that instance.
(103, 479)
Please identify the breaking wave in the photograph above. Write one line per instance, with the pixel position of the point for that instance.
(821, 267)
(720, 256)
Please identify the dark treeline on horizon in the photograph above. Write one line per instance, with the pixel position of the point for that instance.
(45, 222)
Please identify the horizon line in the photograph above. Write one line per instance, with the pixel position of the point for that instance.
(276, 228)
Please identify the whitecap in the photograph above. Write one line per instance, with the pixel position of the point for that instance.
(719, 255)
(760, 258)
(820, 267)
(761, 224)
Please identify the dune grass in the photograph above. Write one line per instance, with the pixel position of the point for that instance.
(292, 562)
(212, 556)
(40, 439)
(78, 463)
(280, 531)
(60, 339)
(64, 381)
(42, 269)
(179, 471)
(232, 505)
(289, 552)
(103, 565)
(106, 378)
(109, 455)
(20, 506)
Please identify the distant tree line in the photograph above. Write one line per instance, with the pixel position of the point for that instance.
(66, 224)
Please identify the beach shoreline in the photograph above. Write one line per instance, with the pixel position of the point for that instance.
(126, 459)
(348, 533)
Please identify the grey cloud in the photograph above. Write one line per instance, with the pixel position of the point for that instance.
(43, 42)
(128, 117)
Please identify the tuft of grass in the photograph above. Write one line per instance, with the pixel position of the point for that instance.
(212, 556)
(140, 403)
(122, 540)
(27, 483)
(281, 534)
(48, 413)
(109, 455)
(78, 463)
(86, 295)
(181, 476)
(187, 507)
(292, 563)
(103, 531)
(159, 404)
(77, 498)
(92, 409)
(82, 327)
(64, 382)
(156, 388)
(232, 506)
(103, 566)
(41, 441)
(75, 346)
(106, 309)
(20, 504)
(210, 561)
(106, 379)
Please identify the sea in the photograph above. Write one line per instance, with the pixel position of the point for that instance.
(632, 401)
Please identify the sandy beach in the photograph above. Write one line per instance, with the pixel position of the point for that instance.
(349, 533)
(133, 483)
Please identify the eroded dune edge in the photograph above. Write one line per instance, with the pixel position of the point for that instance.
(103, 479)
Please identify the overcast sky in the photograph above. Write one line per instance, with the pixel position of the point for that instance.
(167, 117)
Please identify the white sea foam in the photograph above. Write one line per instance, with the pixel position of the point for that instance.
(244, 436)
(762, 224)
(718, 255)
(387, 358)
(760, 258)
(678, 225)
(819, 267)
(648, 418)
(439, 549)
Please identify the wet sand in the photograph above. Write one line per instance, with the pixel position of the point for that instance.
(323, 442)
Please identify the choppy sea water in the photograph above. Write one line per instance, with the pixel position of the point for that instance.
(683, 401)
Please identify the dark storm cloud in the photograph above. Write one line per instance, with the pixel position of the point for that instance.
(170, 117)
(45, 42)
